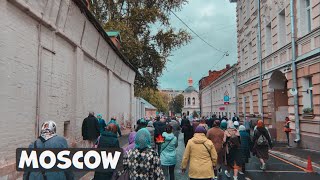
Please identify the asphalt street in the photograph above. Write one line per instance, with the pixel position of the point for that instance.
(276, 169)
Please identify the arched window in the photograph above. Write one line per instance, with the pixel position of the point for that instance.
(194, 101)
(189, 101)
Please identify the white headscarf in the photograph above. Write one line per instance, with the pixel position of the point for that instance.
(48, 130)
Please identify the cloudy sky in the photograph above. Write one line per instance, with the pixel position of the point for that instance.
(214, 21)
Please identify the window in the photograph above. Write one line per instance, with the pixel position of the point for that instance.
(189, 101)
(244, 104)
(308, 15)
(251, 103)
(250, 52)
(268, 38)
(282, 29)
(194, 101)
(307, 99)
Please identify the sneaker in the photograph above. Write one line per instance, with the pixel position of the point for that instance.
(235, 177)
(240, 172)
(227, 173)
(263, 166)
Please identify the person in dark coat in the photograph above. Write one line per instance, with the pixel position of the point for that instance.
(260, 146)
(233, 155)
(188, 132)
(107, 139)
(90, 130)
(49, 139)
(159, 128)
(235, 118)
(184, 121)
(245, 146)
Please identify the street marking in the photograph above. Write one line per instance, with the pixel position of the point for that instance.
(299, 167)
(271, 171)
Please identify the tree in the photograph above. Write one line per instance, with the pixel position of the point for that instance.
(156, 98)
(177, 103)
(148, 38)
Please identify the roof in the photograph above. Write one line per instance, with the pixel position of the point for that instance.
(82, 6)
(147, 105)
(190, 89)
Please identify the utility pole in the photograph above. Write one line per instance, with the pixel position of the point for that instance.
(260, 59)
(294, 73)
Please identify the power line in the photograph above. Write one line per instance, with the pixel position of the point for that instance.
(225, 53)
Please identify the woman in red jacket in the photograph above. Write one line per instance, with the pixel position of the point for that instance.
(287, 129)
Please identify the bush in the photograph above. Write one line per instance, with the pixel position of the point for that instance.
(307, 110)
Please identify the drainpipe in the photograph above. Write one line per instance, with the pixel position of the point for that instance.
(260, 60)
(294, 73)
(38, 84)
(236, 89)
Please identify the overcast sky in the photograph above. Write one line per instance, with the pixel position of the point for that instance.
(214, 21)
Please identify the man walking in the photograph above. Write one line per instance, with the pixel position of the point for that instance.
(90, 130)
(113, 121)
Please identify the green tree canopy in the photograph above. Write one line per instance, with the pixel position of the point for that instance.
(177, 104)
(148, 38)
(156, 98)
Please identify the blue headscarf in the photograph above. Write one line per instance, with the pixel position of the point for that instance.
(99, 115)
(143, 139)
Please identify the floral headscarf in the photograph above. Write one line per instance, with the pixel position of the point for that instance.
(142, 139)
(48, 130)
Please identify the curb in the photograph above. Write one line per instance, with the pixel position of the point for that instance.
(296, 160)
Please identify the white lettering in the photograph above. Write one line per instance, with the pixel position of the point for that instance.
(109, 160)
(67, 161)
(97, 159)
(24, 159)
(75, 160)
(43, 156)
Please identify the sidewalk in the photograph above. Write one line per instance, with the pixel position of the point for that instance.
(298, 156)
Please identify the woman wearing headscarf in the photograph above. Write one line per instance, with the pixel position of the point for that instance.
(107, 139)
(49, 139)
(215, 134)
(233, 155)
(142, 162)
(131, 144)
(261, 143)
(223, 125)
(188, 132)
(287, 130)
(201, 155)
(150, 128)
(168, 153)
(245, 146)
(102, 123)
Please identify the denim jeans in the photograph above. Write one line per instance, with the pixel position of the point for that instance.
(168, 171)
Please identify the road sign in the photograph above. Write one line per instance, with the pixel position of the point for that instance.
(226, 99)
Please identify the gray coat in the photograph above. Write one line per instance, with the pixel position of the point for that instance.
(54, 142)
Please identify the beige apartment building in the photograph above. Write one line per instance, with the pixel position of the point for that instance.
(277, 80)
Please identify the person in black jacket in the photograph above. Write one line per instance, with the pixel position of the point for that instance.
(159, 128)
(107, 139)
(90, 130)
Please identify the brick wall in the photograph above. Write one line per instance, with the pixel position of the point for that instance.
(79, 71)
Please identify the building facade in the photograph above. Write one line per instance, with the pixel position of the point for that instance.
(191, 99)
(212, 94)
(57, 63)
(276, 48)
(171, 92)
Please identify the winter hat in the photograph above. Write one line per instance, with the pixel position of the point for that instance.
(223, 124)
(236, 124)
(242, 128)
(200, 129)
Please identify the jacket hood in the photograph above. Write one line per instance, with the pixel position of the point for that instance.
(132, 135)
(168, 137)
(199, 138)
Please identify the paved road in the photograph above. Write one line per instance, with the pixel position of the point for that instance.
(276, 169)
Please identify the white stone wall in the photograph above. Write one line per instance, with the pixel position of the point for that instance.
(52, 41)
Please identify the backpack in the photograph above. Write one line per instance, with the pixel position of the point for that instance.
(262, 140)
(233, 141)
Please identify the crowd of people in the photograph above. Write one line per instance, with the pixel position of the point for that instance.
(214, 143)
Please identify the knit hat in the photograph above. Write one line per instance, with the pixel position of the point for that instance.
(223, 124)
(242, 128)
(200, 129)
